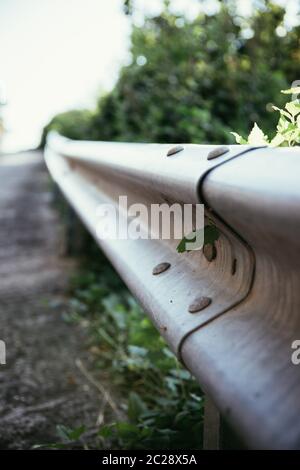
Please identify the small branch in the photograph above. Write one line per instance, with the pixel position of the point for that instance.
(100, 388)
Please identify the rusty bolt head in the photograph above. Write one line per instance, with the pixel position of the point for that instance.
(199, 304)
(160, 268)
(217, 152)
(210, 252)
(175, 150)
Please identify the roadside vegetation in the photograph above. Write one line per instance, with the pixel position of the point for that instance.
(195, 81)
(287, 133)
(161, 405)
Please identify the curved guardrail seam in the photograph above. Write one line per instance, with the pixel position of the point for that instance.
(218, 218)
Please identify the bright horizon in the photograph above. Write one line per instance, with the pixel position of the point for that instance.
(61, 54)
(54, 57)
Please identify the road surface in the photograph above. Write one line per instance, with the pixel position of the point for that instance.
(40, 385)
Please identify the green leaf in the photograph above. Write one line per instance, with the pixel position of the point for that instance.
(282, 124)
(239, 139)
(257, 137)
(277, 140)
(190, 238)
(293, 108)
(106, 431)
(136, 406)
(282, 112)
(291, 91)
(76, 433)
(289, 129)
(137, 350)
(181, 245)
(127, 429)
(63, 432)
(211, 234)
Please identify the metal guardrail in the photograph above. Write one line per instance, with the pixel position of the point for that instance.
(239, 346)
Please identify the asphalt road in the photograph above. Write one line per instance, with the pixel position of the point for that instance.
(40, 385)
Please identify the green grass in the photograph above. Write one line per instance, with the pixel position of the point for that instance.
(164, 405)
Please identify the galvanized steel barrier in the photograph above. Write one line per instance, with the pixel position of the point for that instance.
(239, 346)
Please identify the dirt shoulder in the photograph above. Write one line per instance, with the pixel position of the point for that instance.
(40, 385)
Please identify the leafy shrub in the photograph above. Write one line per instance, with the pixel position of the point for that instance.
(197, 79)
(164, 403)
(287, 129)
(75, 124)
(194, 81)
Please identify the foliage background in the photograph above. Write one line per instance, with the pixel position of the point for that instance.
(195, 80)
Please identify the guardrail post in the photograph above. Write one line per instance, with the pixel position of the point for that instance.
(212, 426)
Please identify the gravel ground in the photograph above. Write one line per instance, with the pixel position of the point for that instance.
(40, 385)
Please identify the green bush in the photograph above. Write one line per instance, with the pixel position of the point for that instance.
(194, 81)
(163, 403)
(287, 129)
(198, 80)
(75, 124)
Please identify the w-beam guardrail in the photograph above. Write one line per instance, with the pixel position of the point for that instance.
(240, 346)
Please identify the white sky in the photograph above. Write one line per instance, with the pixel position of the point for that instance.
(55, 55)
(60, 54)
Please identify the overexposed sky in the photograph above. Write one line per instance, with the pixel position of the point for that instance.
(60, 54)
(55, 55)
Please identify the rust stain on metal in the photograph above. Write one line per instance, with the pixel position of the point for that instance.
(199, 304)
(210, 252)
(217, 152)
(160, 268)
(175, 150)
